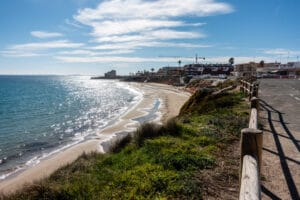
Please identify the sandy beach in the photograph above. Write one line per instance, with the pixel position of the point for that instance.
(170, 101)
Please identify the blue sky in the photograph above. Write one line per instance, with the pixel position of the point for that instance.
(93, 36)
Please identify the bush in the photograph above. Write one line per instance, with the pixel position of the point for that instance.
(120, 144)
(146, 131)
(171, 128)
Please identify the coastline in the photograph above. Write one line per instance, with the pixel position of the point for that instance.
(170, 101)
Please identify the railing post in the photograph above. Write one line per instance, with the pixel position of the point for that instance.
(241, 87)
(250, 91)
(255, 90)
(254, 102)
(250, 184)
(251, 144)
(250, 162)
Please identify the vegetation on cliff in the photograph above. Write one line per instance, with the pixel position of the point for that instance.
(185, 159)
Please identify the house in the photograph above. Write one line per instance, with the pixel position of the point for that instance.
(278, 70)
(246, 69)
(290, 65)
(111, 74)
(170, 71)
(207, 69)
(266, 68)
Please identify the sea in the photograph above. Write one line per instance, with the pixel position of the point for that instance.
(42, 115)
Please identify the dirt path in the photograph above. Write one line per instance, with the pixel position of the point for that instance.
(280, 112)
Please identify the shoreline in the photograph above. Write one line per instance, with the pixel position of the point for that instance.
(170, 101)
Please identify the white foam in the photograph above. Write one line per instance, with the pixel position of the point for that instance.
(69, 130)
(158, 113)
(33, 161)
(4, 176)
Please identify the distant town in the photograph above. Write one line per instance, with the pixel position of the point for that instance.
(180, 75)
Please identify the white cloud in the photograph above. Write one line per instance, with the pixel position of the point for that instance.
(45, 45)
(140, 44)
(11, 53)
(239, 59)
(119, 27)
(105, 59)
(38, 48)
(118, 23)
(72, 23)
(281, 52)
(44, 34)
(195, 24)
(163, 34)
(94, 53)
(140, 9)
(124, 59)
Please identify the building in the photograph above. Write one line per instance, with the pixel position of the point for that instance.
(290, 65)
(207, 69)
(266, 68)
(170, 71)
(288, 70)
(246, 69)
(111, 74)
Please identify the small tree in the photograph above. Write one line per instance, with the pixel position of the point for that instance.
(231, 60)
(262, 63)
(179, 62)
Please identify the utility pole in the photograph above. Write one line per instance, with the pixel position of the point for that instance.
(196, 58)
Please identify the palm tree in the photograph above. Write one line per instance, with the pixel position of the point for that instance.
(179, 62)
(152, 70)
(231, 60)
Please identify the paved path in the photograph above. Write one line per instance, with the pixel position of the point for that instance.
(280, 115)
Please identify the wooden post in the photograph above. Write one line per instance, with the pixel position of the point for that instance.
(255, 89)
(254, 102)
(242, 86)
(253, 119)
(250, 183)
(250, 91)
(251, 144)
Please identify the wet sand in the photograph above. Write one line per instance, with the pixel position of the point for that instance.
(171, 99)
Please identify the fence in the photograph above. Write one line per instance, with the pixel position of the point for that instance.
(251, 148)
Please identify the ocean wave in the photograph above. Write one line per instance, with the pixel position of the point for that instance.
(6, 175)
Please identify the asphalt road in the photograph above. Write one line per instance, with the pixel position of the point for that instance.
(284, 95)
(280, 114)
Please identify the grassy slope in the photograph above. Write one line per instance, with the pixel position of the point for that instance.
(159, 162)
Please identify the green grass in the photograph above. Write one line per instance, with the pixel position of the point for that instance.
(158, 162)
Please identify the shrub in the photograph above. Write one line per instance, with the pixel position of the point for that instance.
(120, 144)
(146, 131)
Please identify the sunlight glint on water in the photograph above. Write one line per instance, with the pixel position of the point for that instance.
(40, 114)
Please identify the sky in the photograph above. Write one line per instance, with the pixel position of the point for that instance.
(92, 36)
